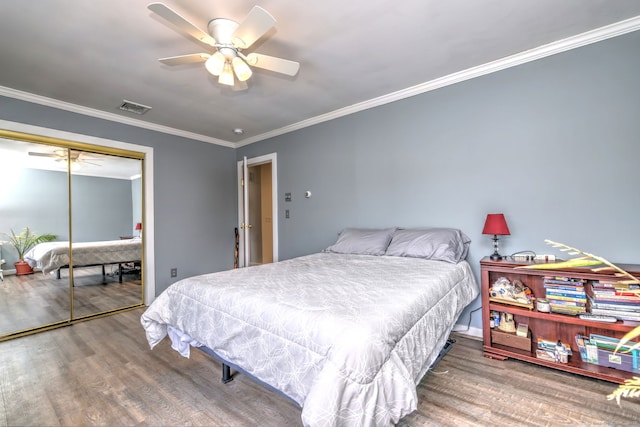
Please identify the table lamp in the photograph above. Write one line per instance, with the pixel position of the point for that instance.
(495, 224)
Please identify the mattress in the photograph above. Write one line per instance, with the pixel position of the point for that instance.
(50, 256)
(347, 337)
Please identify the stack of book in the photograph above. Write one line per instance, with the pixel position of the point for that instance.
(615, 299)
(566, 295)
(551, 350)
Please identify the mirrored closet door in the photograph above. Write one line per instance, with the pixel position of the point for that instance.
(106, 247)
(38, 198)
(90, 199)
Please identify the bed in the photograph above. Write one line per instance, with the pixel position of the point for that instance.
(346, 333)
(54, 256)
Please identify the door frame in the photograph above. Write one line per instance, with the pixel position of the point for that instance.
(256, 161)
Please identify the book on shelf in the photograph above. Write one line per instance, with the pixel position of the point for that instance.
(566, 292)
(566, 283)
(614, 305)
(617, 298)
(614, 291)
(615, 285)
(620, 307)
(564, 309)
(616, 295)
(566, 303)
(620, 315)
(563, 298)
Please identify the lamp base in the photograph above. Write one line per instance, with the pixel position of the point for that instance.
(495, 256)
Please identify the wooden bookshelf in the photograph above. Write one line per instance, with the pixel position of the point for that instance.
(550, 326)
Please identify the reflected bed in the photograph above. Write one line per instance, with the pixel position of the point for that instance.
(53, 256)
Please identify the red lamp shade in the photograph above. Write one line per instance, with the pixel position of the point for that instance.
(496, 224)
(139, 226)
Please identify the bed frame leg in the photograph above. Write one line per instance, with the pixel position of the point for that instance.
(226, 374)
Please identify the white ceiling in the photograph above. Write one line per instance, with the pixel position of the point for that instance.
(89, 56)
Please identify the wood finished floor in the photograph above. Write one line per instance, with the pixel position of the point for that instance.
(101, 372)
(37, 299)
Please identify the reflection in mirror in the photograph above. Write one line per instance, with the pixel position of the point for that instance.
(33, 194)
(106, 248)
(105, 205)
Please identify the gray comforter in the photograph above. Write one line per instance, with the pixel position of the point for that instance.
(347, 337)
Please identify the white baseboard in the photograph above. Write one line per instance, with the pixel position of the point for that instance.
(471, 331)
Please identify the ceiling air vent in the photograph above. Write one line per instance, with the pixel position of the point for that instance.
(133, 107)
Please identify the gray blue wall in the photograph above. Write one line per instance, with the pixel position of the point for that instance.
(552, 144)
(195, 189)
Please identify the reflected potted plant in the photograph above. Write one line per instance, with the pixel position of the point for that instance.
(24, 241)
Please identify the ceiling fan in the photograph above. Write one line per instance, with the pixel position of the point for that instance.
(229, 39)
(76, 157)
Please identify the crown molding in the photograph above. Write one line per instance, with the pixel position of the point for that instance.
(574, 42)
(74, 108)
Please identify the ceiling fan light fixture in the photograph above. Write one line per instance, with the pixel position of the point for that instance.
(229, 38)
(251, 59)
(215, 64)
(226, 77)
(242, 70)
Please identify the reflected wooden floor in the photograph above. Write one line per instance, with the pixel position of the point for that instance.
(37, 299)
(102, 373)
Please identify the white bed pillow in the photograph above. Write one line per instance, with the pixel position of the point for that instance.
(362, 241)
(442, 244)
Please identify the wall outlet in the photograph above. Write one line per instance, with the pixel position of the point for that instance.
(174, 272)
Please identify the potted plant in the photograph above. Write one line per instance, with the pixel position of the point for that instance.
(24, 241)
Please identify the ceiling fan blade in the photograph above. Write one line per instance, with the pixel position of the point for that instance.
(254, 26)
(185, 59)
(181, 22)
(32, 153)
(271, 63)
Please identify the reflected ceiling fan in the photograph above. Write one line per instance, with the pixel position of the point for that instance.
(229, 39)
(76, 157)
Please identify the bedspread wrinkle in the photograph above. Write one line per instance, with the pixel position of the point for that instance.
(347, 337)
